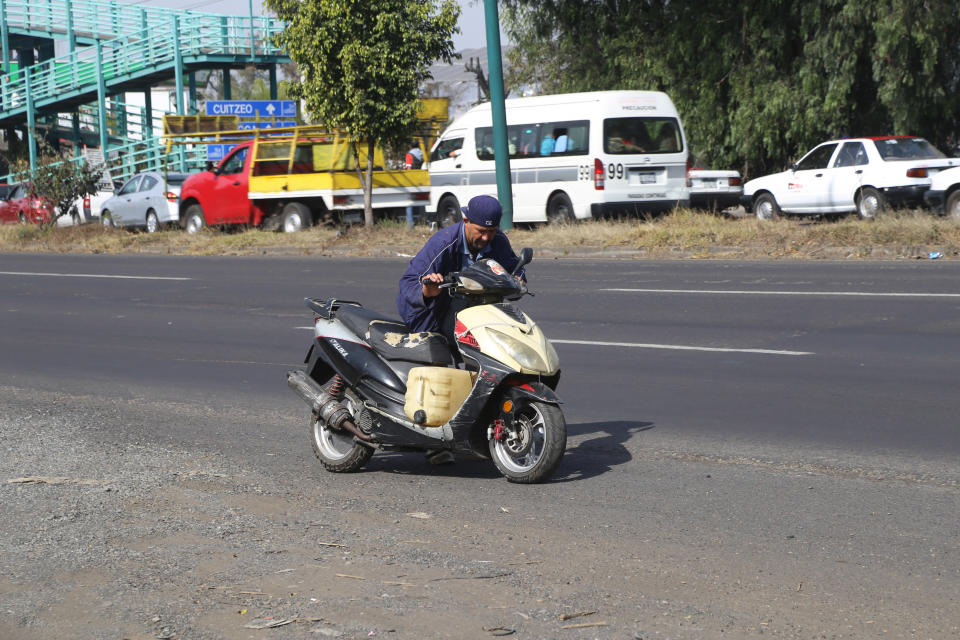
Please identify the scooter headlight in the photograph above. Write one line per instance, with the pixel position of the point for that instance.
(553, 360)
(470, 284)
(525, 355)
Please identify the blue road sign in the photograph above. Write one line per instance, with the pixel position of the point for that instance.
(267, 125)
(252, 108)
(217, 152)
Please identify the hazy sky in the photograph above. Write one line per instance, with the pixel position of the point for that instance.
(473, 34)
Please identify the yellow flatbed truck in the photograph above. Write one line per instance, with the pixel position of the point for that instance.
(289, 178)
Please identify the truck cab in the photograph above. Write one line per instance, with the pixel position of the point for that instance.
(220, 196)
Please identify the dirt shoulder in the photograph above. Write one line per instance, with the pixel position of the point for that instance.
(108, 536)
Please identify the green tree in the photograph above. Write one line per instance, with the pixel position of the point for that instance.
(55, 178)
(361, 65)
(756, 81)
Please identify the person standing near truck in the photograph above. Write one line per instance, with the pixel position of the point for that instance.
(413, 160)
(414, 157)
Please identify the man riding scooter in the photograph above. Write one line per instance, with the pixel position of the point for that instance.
(453, 248)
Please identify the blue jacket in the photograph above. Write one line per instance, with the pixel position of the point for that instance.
(442, 254)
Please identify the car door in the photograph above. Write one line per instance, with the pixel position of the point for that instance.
(231, 201)
(807, 188)
(445, 161)
(846, 176)
(146, 198)
(123, 208)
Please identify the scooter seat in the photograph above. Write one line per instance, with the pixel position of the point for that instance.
(358, 319)
(392, 339)
(395, 342)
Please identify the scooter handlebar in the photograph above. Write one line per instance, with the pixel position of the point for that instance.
(449, 280)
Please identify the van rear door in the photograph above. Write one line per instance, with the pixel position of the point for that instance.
(645, 162)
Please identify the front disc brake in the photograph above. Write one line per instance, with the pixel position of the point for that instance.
(520, 438)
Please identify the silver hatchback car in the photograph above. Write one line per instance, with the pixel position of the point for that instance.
(146, 201)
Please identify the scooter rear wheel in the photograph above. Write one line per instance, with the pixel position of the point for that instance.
(531, 452)
(337, 451)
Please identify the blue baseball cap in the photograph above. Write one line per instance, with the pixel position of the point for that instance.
(483, 210)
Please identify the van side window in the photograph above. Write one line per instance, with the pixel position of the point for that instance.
(565, 138)
(450, 148)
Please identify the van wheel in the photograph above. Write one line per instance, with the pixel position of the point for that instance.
(559, 209)
(23, 218)
(193, 220)
(448, 211)
(296, 216)
(106, 219)
(153, 222)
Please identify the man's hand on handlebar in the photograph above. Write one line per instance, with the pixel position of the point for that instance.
(431, 284)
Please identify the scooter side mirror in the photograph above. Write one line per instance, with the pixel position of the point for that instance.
(526, 255)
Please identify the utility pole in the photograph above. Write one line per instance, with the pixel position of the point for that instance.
(501, 153)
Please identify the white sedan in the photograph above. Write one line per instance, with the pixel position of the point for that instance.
(862, 175)
(147, 201)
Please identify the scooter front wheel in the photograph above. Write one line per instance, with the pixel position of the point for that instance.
(337, 451)
(530, 452)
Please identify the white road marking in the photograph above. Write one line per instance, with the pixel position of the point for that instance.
(793, 293)
(680, 347)
(87, 275)
(272, 364)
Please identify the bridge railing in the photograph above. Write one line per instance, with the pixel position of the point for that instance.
(136, 53)
(123, 120)
(93, 19)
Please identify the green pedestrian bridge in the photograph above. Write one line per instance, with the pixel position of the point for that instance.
(66, 65)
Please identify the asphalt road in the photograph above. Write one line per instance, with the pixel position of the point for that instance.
(853, 357)
(766, 446)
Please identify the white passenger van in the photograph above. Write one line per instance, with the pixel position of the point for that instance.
(572, 156)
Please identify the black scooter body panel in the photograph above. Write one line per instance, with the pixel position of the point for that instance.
(355, 361)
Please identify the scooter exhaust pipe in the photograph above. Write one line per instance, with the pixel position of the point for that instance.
(325, 406)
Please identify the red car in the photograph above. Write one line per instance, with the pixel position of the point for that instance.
(23, 206)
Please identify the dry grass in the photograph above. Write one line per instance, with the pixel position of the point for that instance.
(683, 234)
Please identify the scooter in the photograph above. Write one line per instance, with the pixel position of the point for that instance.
(372, 385)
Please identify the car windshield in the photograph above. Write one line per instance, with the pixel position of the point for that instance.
(907, 149)
(177, 179)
